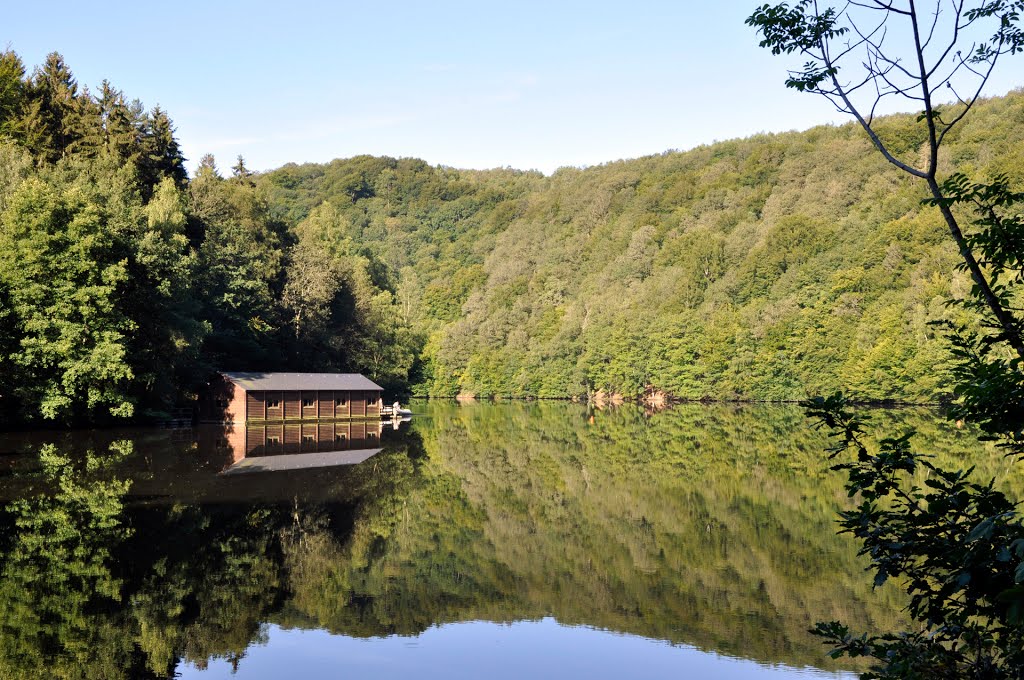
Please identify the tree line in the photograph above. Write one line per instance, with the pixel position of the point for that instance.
(124, 283)
(770, 268)
(766, 268)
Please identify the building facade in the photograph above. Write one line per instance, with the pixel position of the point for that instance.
(281, 397)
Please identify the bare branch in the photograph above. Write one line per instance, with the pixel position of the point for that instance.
(873, 136)
(933, 148)
(935, 22)
(958, 9)
(974, 98)
(879, 5)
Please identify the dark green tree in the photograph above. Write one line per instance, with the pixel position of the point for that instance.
(51, 125)
(162, 300)
(161, 155)
(119, 133)
(240, 269)
(12, 95)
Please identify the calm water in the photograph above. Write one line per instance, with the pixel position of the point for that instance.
(488, 540)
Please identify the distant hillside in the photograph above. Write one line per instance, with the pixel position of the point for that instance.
(763, 268)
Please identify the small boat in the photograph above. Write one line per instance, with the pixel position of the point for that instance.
(395, 411)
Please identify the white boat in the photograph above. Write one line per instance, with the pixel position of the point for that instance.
(395, 411)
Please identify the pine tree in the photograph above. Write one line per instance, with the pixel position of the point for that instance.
(161, 155)
(119, 134)
(86, 127)
(52, 110)
(242, 173)
(12, 95)
(208, 166)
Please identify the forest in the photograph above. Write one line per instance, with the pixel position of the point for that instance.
(767, 268)
(124, 283)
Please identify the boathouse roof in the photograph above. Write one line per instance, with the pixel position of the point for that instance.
(287, 382)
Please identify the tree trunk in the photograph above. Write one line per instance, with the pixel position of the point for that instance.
(1003, 316)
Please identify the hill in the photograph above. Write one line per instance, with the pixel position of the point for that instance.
(763, 268)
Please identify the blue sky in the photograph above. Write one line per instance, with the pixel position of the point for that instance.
(465, 84)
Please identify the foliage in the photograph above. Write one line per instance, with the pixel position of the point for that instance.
(956, 546)
(764, 268)
(123, 285)
(58, 571)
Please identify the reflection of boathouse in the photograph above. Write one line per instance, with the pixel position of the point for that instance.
(284, 438)
(285, 446)
(281, 397)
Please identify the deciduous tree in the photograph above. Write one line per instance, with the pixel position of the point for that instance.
(898, 50)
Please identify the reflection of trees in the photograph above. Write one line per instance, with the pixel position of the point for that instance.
(207, 589)
(130, 592)
(704, 525)
(710, 526)
(57, 576)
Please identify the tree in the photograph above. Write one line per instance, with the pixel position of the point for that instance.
(12, 94)
(119, 135)
(933, 58)
(64, 267)
(240, 172)
(956, 545)
(161, 298)
(50, 123)
(239, 269)
(161, 155)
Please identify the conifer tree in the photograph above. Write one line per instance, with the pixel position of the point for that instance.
(119, 134)
(240, 172)
(161, 155)
(52, 111)
(12, 94)
(86, 127)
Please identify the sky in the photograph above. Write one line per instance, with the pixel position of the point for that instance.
(466, 84)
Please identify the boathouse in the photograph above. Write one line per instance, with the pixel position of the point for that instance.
(282, 397)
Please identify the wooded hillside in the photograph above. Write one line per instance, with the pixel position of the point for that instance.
(765, 268)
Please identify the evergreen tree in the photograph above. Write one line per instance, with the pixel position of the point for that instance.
(240, 172)
(52, 111)
(208, 166)
(12, 95)
(161, 155)
(86, 127)
(119, 132)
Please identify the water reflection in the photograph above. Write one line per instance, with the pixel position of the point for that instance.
(133, 555)
(298, 446)
(525, 649)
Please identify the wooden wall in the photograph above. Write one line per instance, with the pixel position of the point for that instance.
(222, 402)
(311, 405)
(312, 436)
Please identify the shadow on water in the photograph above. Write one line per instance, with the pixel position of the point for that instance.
(130, 552)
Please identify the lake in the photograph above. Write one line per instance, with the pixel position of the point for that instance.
(507, 540)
